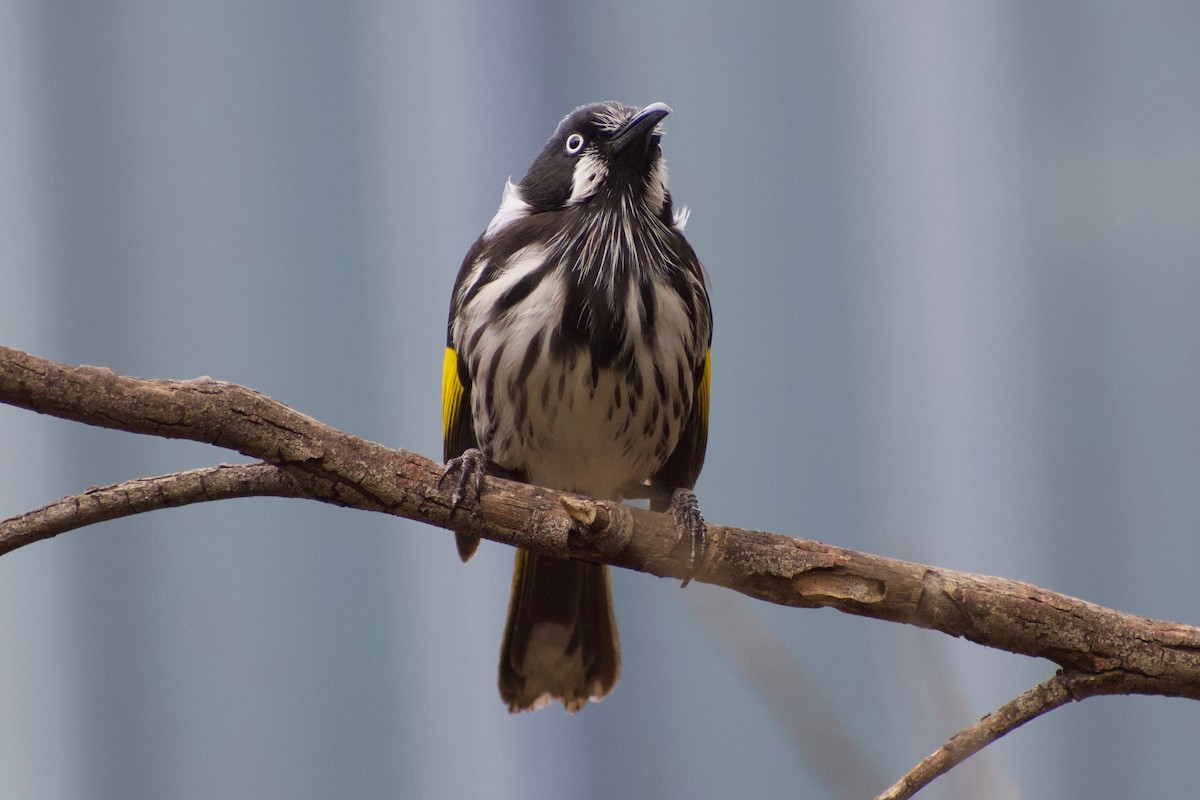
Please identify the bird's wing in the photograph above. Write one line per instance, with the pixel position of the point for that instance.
(683, 466)
(458, 430)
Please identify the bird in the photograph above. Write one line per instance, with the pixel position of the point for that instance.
(578, 358)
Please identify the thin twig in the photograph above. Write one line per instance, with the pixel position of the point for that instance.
(146, 494)
(1046, 696)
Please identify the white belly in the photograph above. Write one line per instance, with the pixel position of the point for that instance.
(556, 422)
(553, 420)
(570, 434)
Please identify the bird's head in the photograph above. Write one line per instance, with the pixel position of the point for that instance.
(599, 152)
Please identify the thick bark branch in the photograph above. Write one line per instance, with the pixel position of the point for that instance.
(1131, 654)
(1101, 651)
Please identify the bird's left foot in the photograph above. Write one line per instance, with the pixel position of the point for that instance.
(472, 468)
(691, 533)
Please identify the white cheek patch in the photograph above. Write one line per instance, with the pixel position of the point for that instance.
(589, 174)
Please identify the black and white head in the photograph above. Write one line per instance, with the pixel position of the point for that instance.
(603, 154)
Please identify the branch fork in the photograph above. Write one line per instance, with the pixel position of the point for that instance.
(1100, 651)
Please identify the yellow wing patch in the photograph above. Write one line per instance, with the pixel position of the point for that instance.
(702, 389)
(452, 392)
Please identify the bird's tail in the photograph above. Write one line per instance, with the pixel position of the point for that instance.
(561, 640)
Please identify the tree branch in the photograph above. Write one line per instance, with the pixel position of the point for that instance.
(1046, 696)
(1142, 655)
(99, 504)
(1107, 651)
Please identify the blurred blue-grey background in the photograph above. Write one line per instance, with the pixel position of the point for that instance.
(955, 256)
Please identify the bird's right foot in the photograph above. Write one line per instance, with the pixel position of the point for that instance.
(471, 467)
(690, 529)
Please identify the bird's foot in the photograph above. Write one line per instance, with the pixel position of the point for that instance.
(692, 535)
(472, 468)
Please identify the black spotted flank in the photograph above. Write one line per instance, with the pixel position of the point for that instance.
(532, 353)
(660, 449)
(489, 382)
(660, 383)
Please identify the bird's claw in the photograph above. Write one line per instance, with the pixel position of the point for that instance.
(471, 467)
(692, 534)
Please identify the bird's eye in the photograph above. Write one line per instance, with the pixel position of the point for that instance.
(574, 144)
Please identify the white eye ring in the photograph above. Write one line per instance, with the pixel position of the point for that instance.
(574, 144)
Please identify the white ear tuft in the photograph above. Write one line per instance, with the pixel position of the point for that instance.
(512, 208)
(681, 218)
